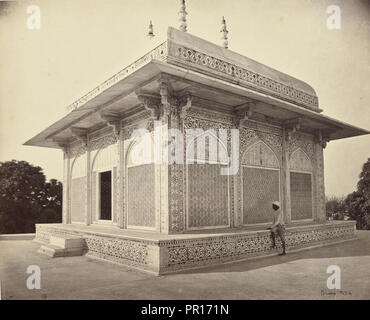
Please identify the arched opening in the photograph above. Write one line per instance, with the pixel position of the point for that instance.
(104, 184)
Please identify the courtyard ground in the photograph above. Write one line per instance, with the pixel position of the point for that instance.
(298, 275)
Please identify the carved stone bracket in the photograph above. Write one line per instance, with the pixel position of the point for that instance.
(185, 105)
(243, 112)
(166, 98)
(113, 120)
(322, 140)
(292, 126)
(151, 103)
(80, 133)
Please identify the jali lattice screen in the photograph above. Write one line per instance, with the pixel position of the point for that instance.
(141, 193)
(301, 195)
(208, 200)
(260, 189)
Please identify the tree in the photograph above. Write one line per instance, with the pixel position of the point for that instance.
(26, 198)
(358, 203)
(335, 208)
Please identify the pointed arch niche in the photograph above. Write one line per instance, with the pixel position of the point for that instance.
(301, 183)
(260, 183)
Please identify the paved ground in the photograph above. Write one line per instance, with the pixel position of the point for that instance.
(299, 275)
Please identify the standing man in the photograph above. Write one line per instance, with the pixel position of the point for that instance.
(277, 227)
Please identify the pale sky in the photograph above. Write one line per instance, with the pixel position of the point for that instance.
(81, 43)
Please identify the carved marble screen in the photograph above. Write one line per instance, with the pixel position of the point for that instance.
(140, 185)
(260, 183)
(207, 188)
(208, 198)
(300, 185)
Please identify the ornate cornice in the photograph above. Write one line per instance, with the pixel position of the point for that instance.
(247, 77)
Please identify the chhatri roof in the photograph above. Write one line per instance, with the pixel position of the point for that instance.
(222, 75)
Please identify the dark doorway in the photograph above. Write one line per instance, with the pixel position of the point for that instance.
(106, 195)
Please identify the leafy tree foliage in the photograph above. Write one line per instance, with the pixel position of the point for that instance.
(358, 202)
(27, 198)
(356, 206)
(335, 208)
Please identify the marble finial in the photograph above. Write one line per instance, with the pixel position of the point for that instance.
(150, 31)
(224, 32)
(182, 14)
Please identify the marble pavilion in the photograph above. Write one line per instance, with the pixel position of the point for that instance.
(165, 217)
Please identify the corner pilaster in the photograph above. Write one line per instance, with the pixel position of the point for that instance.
(285, 174)
(66, 216)
(88, 216)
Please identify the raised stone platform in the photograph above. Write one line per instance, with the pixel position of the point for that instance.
(161, 254)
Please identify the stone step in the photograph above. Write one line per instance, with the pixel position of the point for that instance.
(56, 251)
(63, 246)
(67, 241)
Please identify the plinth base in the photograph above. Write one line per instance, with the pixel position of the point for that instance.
(161, 254)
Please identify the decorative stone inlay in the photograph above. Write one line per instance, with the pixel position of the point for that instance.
(207, 251)
(250, 136)
(195, 251)
(194, 112)
(256, 81)
(176, 203)
(103, 141)
(300, 140)
(117, 249)
(299, 161)
(198, 123)
(260, 155)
